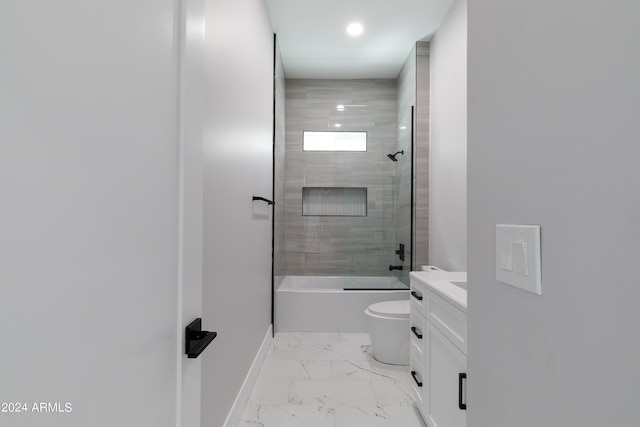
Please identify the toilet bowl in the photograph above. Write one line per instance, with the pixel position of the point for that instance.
(388, 326)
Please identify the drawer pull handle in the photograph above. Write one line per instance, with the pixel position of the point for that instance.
(415, 378)
(416, 295)
(461, 377)
(416, 333)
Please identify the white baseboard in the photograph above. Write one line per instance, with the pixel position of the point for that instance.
(235, 414)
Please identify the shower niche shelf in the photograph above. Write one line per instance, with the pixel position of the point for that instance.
(334, 201)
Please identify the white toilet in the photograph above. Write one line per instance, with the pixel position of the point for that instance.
(388, 325)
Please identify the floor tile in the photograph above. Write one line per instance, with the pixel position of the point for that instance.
(376, 416)
(312, 346)
(393, 393)
(368, 369)
(287, 416)
(332, 393)
(296, 369)
(270, 392)
(318, 379)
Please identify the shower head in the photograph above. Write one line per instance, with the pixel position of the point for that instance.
(393, 156)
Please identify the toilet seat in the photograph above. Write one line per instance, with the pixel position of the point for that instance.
(391, 309)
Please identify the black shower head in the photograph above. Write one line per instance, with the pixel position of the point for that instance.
(393, 156)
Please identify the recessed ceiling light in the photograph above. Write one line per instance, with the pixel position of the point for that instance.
(355, 29)
(338, 125)
(340, 107)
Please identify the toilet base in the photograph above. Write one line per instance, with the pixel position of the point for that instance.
(389, 339)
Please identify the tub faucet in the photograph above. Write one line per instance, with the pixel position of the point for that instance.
(395, 267)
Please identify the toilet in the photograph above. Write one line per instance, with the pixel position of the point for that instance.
(388, 326)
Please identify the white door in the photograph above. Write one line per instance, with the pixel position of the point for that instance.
(94, 256)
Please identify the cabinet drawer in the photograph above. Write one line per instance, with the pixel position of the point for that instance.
(419, 383)
(418, 297)
(417, 338)
(448, 319)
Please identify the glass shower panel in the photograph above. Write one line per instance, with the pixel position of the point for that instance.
(367, 245)
(404, 190)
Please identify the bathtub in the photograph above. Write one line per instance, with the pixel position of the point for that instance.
(331, 303)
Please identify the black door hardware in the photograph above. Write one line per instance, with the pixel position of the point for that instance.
(415, 378)
(196, 340)
(416, 295)
(262, 199)
(416, 332)
(461, 377)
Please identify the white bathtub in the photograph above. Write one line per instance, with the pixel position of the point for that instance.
(330, 303)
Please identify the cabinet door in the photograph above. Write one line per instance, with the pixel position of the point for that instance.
(445, 363)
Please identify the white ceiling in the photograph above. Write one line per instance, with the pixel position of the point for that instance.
(314, 44)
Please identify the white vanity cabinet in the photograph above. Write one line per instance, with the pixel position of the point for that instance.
(439, 347)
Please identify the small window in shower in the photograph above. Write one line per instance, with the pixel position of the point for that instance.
(334, 201)
(334, 141)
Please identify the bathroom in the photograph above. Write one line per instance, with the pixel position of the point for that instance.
(395, 169)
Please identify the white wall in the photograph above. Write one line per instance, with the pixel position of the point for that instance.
(448, 143)
(238, 135)
(190, 222)
(89, 241)
(553, 140)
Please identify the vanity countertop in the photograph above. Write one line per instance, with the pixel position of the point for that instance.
(442, 283)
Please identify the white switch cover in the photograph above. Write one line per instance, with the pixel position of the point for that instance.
(505, 253)
(525, 271)
(520, 264)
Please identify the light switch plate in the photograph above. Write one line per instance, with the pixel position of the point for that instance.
(524, 270)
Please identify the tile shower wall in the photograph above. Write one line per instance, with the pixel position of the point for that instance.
(413, 89)
(341, 245)
(422, 157)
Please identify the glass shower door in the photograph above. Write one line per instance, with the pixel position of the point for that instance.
(403, 194)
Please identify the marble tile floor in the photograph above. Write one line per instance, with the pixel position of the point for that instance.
(329, 379)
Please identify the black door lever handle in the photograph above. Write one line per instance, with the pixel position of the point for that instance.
(196, 340)
(461, 376)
